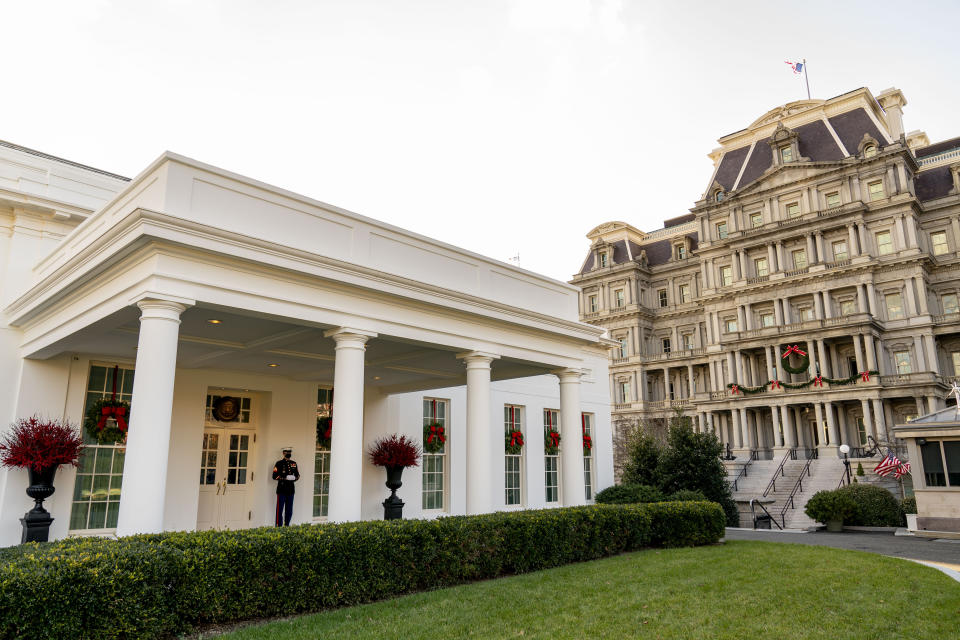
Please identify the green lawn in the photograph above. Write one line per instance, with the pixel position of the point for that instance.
(733, 590)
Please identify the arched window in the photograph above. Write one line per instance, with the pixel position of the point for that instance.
(718, 196)
(869, 151)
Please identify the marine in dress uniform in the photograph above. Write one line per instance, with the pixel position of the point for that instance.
(286, 473)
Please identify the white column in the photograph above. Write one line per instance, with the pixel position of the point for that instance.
(151, 407)
(852, 241)
(778, 363)
(820, 255)
(931, 353)
(817, 305)
(479, 437)
(777, 312)
(822, 359)
(771, 259)
(879, 419)
(921, 356)
(788, 427)
(737, 434)
(690, 381)
(832, 425)
(862, 298)
(778, 428)
(868, 423)
(921, 294)
(810, 250)
(745, 438)
(346, 442)
(858, 352)
(571, 447)
(871, 353)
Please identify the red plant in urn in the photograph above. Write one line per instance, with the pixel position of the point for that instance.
(37, 443)
(395, 451)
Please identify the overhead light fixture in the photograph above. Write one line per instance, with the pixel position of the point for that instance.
(273, 364)
(214, 321)
(376, 377)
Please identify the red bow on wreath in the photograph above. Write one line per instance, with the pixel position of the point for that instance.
(818, 381)
(774, 384)
(587, 442)
(735, 389)
(436, 432)
(554, 439)
(794, 349)
(119, 414)
(516, 438)
(865, 376)
(326, 434)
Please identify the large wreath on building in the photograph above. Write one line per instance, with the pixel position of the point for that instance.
(107, 419)
(804, 360)
(513, 442)
(587, 444)
(324, 431)
(551, 442)
(434, 437)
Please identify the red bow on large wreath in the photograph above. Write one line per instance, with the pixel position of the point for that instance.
(865, 376)
(794, 349)
(774, 384)
(516, 438)
(436, 432)
(735, 389)
(818, 381)
(118, 413)
(555, 439)
(587, 442)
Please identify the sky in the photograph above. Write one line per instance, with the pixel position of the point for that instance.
(507, 127)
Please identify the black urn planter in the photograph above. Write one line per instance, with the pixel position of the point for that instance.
(393, 506)
(36, 522)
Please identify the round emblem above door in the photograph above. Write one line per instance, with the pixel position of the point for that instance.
(226, 409)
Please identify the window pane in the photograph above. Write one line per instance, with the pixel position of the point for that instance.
(884, 246)
(933, 465)
(950, 303)
(840, 250)
(951, 451)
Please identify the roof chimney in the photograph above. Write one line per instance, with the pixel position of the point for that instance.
(892, 101)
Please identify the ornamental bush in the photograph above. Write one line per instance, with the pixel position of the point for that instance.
(875, 506)
(153, 586)
(630, 494)
(909, 505)
(825, 506)
(687, 495)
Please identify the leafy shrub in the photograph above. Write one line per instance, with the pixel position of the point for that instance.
(825, 506)
(875, 506)
(909, 505)
(152, 586)
(687, 495)
(643, 456)
(629, 494)
(860, 469)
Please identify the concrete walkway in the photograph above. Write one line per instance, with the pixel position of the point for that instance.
(941, 554)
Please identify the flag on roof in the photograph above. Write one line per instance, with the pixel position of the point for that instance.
(887, 465)
(902, 469)
(796, 66)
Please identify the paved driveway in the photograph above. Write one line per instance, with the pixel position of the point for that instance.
(913, 548)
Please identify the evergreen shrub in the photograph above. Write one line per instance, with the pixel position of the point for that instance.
(152, 586)
(875, 506)
(630, 494)
(825, 506)
(909, 505)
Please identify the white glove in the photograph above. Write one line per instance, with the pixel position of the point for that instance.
(291, 477)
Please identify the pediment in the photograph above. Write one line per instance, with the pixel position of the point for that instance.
(778, 113)
(776, 177)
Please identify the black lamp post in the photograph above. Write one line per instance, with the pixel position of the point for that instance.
(845, 449)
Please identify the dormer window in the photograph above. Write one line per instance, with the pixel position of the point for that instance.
(718, 196)
(868, 146)
(783, 143)
(603, 259)
(786, 154)
(681, 252)
(869, 151)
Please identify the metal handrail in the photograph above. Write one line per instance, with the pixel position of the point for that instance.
(789, 503)
(772, 485)
(754, 516)
(742, 474)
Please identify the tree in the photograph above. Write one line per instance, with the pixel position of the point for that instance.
(642, 459)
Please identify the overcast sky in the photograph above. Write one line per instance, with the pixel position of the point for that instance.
(509, 127)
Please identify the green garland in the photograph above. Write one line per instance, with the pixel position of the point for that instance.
(434, 437)
(324, 432)
(108, 433)
(799, 385)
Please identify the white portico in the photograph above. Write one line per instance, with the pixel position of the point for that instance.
(203, 282)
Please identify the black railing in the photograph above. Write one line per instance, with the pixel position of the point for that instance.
(772, 485)
(789, 503)
(763, 518)
(754, 453)
(742, 474)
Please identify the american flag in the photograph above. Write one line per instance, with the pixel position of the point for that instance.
(889, 464)
(902, 469)
(796, 66)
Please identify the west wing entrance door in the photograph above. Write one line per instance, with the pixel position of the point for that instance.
(226, 472)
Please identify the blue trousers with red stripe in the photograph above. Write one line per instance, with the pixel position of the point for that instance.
(284, 509)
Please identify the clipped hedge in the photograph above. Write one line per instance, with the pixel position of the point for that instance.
(629, 493)
(155, 585)
(875, 506)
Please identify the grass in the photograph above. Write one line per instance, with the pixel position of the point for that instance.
(735, 590)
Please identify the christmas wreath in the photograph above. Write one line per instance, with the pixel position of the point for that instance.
(324, 431)
(434, 437)
(106, 420)
(804, 360)
(587, 444)
(513, 441)
(551, 442)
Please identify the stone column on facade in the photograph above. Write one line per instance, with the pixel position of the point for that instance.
(930, 351)
(777, 421)
(666, 383)
(820, 253)
(674, 339)
(868, 422)
(148, 441)
(858, 352)
(870, 350)
(827, 304)
(691, 381)
(731, 368)
(911, 225)
(710, 423)
(735, 428)
(748, 316)
(810, 249)
(834, 360)
(852, 241)
(778, 362)
(703, 274)
(740, 374)
(744, 267)
(921, 290)
(955, 223)
(862, 298)
(735, 262)
(862, 235)
(777, 312)
(741, 319)
(571, 451)
(898, 233)
(641, 385)
(346, 444)
(918, 352)
(789, 433)
(787, 314)
(880, 418)
(823, 360)
(817, 306)
(872, 298)
(781, 264)
(832, 425)
(479, 437)
(812, 354)
(771, 369)
(772, 266)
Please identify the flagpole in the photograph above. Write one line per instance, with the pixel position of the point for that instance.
(806, 77)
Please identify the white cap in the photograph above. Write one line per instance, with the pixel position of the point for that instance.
(287, 448)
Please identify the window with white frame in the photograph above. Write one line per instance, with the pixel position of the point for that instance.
(662, 297)
(623, 391)
(793, 210)
(805, 313)
(799, 258)
(861, 431)
(586, 426)
(901, 360)
(435, 434)
(760, 266)
(884, 244)
(869, 151)
(848, 307)
(756, 220)
(938, 243)
(603, 259)
(786, 154)
(726, 275)
(594, 304)
(618, 298)
(730, 325)
(955, 360)
(665, 345)
(684, 291)
(949, 303)
(321, 455)
(840, 250)
(96, 493)
(833, 199)
(766, 319)
(721, 230)
(551, 461)
(687, 339)
(622, 351)
(894, 306)
(513, 462)
(875, 189)
(681, 252)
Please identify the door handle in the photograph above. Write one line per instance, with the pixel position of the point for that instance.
(218, 488)
(224, 486)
